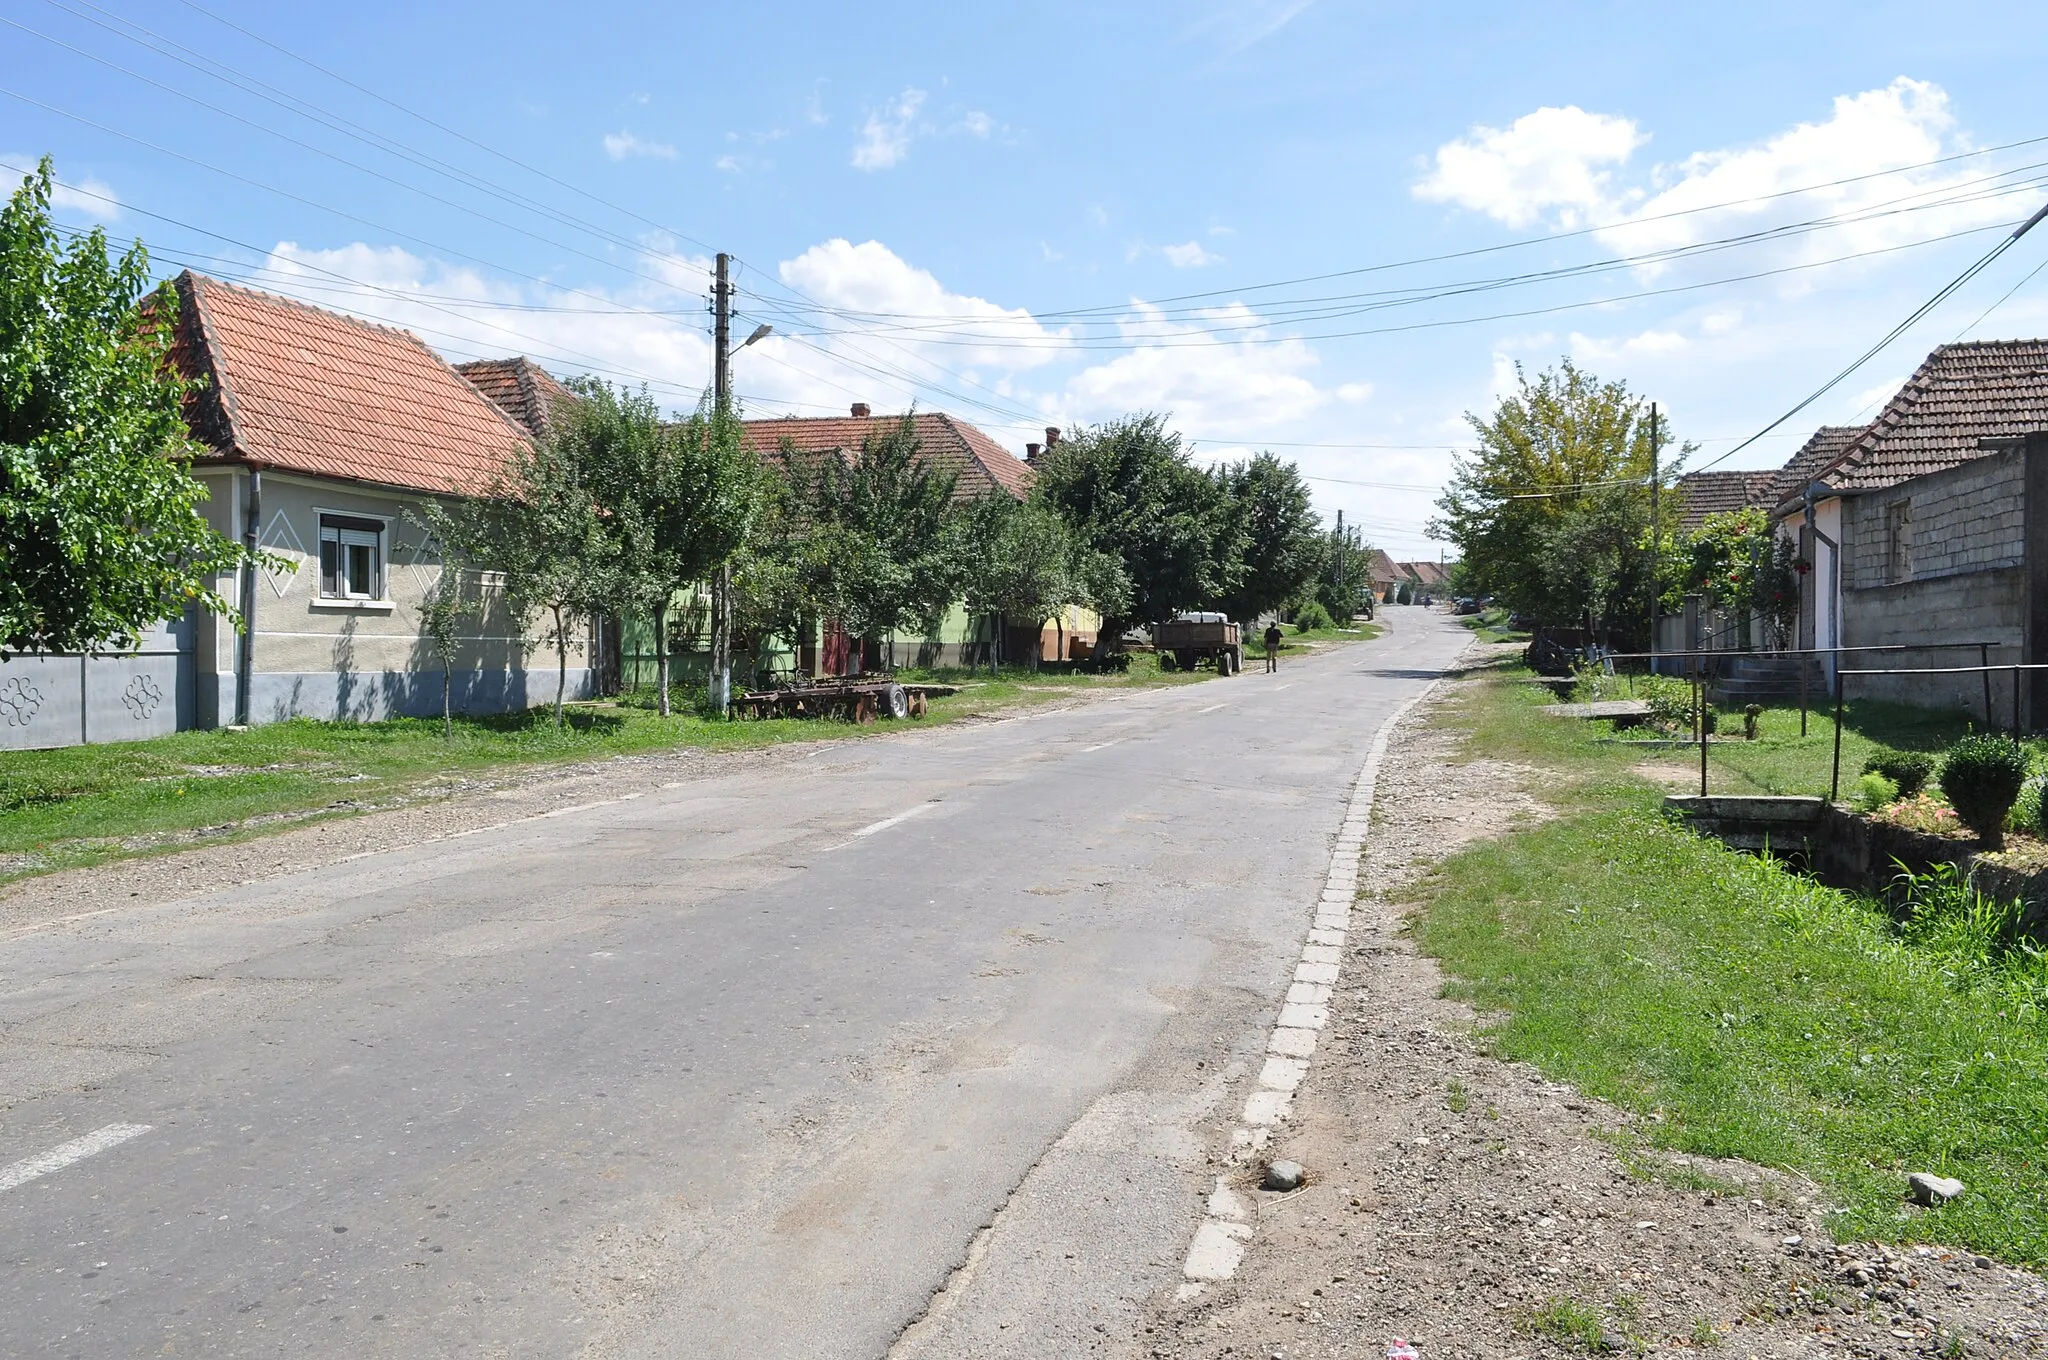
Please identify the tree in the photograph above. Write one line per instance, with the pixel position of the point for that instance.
(1740, 562)
(540, 529)
(1025, 562)
(676, 501)
(1278, 539)
(448, 605)
(1343, 579)
(100, 533)
(1550, 513)
(1130, 493)
(876, 541)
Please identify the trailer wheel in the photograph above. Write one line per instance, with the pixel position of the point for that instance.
(895, 703)
(1184, 659)
(1166, 661)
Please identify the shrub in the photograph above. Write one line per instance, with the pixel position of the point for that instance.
(1874, 791)
(1981, 777)
(1907, 769)
(1670, 702)
(1312, 616)
(1752, 715)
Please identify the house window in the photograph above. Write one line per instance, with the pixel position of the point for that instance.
(351, 558)
(1898, 540)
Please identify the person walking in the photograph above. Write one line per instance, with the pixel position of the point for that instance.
(1273, 636)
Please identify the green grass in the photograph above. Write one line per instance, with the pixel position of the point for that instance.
(88, 804)
(1744, 1011)
(1492, 626)
(1568, 1322)
(1361, 631)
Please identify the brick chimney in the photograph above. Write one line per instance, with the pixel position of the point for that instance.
(860, 409)
(1052, 436)
(1031, 453)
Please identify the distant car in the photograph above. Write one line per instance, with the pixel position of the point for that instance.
(1468, 605)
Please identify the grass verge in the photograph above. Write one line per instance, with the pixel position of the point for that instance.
(84, 805)
(1742, 1010)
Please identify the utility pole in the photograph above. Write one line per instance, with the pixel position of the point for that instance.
(1656, 539)
(721, 396)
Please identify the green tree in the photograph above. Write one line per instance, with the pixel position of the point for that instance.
(449, 605)
(1026, 563)
(100, 533)
(1130, 493)
(876, 541)
(1278, 540)
(540, 529)
(1739, 561)
(1550, 513)
(676, 500)
(1342, 584)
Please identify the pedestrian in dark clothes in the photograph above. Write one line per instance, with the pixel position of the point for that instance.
(1273, 636)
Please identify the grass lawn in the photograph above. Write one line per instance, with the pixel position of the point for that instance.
(86, 804)
(1742, 1010)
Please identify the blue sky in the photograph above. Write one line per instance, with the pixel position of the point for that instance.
(1054, 213)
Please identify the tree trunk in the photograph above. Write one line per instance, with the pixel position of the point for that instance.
(720, 687)
(561, 664)
(447, 705)
(1059, 625)
(661, 655)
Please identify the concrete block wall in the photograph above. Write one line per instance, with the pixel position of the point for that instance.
(1964, 519)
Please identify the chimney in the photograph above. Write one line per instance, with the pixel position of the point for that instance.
(1052, 435)
(860, 409)
(1031, 453)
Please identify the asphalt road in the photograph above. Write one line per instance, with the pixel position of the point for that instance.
(744, 1067)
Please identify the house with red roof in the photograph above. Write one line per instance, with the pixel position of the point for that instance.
(979, 466)
(321, 431)
(1928, 529)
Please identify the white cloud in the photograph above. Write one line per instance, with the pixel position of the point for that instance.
(1354, 391)
(1721, 322)
(1235, 25)
(84, 195)
(1903, 124)
(1557, 160)
(975, 123)
(620, 145)
(1246, 387)
(885, 137)
(870, 278)
(1590, 348)
(729, 163)
(1190, 255)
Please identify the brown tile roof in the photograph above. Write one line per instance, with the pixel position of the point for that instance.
(1430, 574)
(977, 462)
(1962, 394)
(1711, 493)
(300, 389)
(520, 388)
(1383, 567)
(1827, 444)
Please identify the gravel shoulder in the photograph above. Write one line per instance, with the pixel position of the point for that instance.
(1475, 1208)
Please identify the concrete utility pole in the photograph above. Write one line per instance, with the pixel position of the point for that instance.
(1343, 548)
(721, 396)
(1656, 539)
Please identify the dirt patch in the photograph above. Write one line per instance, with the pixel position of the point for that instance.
(1475, 1208)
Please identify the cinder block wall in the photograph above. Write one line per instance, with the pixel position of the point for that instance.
(1967, 582)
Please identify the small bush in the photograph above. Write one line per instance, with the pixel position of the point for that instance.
(1909, 770)
(1981, 777)
(1670, 702)
(1922, 812)
(1312, 616)
(1874, 791)
(1752, 715)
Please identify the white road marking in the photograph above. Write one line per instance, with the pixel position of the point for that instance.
(1101, 745)
(1288, 685)
(1210, 709)
(64, 1154)
(888, 822)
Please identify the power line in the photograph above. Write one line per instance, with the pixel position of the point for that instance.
(1983, 262)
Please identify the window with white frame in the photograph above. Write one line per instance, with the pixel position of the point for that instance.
(351, 558)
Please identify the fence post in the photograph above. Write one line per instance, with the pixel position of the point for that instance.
(1703, 734)
(1835, 782)
(2015, 703)
(1805, 664)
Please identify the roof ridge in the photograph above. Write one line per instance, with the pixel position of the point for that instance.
(266, 296)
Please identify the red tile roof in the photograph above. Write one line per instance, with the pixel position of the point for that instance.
(1430, 574)
(521, 389)
(300, 389)
(1962, 394)
(1827, 445)
(1383, 568)
(1711, 493)
(977, 462)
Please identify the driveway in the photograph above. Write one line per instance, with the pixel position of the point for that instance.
(749, 1066)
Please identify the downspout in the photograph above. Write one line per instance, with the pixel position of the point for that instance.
(245, 660)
